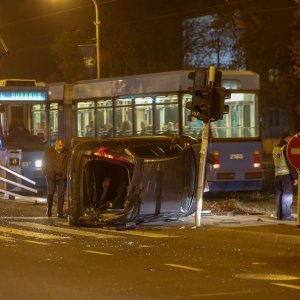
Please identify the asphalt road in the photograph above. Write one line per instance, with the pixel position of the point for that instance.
(44, 258)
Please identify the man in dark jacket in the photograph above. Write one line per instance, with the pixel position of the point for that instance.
(54, 166)
(285, 178)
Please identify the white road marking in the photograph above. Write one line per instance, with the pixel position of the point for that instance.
(6, 238)
(273, 277)
(184, 267)
(225, 293)
(30, 234)
(65, 230)
(133, 232)
(97, 252)
(288, 285)
(36, 242)
(140, 233)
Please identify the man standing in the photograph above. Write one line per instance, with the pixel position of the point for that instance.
(54, 166)
(285, 178)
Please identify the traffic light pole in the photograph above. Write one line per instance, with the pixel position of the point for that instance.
(207, 105)
(201, 173)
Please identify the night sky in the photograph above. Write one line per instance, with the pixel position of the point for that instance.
(29, 26)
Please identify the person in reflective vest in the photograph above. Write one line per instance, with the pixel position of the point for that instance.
(285, 178)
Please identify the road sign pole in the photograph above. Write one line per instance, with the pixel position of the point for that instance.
(293, 155)
(298, 200)
(201, 173)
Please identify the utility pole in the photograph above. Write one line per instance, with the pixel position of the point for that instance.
(97, 23)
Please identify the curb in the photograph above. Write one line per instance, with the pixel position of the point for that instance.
(259, 236)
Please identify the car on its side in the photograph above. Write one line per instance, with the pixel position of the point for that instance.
(138, 179)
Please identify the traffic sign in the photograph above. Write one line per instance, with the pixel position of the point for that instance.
(293, 151)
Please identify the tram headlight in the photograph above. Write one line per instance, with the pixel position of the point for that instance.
(38, 163)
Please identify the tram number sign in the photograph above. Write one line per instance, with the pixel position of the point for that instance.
(293, 151)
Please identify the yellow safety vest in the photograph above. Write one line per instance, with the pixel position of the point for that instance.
(280, 164)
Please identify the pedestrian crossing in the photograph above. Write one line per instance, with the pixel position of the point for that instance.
(61, 232)
(31, 234)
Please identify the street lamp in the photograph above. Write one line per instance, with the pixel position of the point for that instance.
(97, 23)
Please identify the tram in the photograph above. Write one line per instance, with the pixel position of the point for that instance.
(23, 128)
(154, 104)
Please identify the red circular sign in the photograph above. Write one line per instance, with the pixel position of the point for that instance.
(293, 151)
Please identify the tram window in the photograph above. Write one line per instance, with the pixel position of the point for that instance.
(104, 118)
(166, 99)
(123, 101)
(166, 114)
(54, 121)
(143, 100)
(144, 115)
(231, 84)
(39, 120)
(123, 116)
(85, 119)
(242, 120)
(105, 103)
(87, 104)
(17, 82)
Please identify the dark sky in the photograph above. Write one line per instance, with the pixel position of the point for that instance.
(29, 26)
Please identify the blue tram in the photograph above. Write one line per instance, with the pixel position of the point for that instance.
(154, 104)
(23, 129)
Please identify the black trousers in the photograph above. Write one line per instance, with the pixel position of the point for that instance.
(284, 196)
(58, 183)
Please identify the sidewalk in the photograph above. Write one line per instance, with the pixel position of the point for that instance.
(258, 228)
(249, 220)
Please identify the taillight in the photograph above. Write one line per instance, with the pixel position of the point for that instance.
(256, 159)
(104, 152)
(216, 160)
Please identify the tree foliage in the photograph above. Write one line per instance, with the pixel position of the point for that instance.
(214, 40)
(69, 61)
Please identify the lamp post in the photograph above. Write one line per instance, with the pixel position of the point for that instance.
(97, 23)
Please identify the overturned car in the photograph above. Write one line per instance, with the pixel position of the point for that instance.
(139, 179)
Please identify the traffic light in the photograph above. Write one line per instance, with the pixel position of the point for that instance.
(219, 94)
(208, 96)
(200, 105)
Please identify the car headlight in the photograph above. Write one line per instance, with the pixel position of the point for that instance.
(38, 163)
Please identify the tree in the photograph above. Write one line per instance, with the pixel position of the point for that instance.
(135, 38)
(214, 40)
(267, 43)
(69, 60)
(295, 48)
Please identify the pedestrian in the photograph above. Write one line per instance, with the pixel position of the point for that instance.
(54, 166)
(285, 179)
